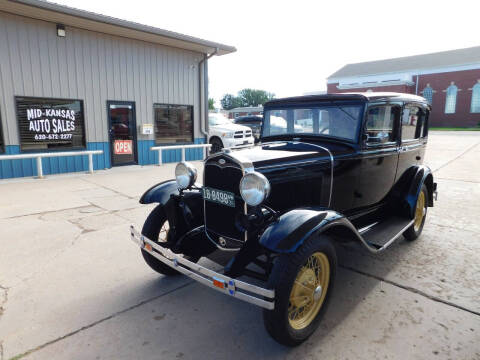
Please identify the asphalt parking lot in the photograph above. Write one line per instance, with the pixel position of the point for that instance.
(73, 286)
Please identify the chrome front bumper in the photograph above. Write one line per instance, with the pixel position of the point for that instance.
(262, 297)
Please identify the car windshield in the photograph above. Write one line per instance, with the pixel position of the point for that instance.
(334, 121)
(218, 119)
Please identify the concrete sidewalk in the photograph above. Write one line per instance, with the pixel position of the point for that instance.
(72, 286)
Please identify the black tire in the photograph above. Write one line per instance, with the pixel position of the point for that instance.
(283, 275)
(217, 145)
(151, 229)
(414, 231)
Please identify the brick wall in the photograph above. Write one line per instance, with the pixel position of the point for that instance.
(439, 82)
(464, 80)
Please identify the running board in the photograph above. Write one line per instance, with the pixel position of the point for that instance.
(378, 236)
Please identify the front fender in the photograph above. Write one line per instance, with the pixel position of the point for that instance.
(160, 193)
(291, 230)
(422, 175)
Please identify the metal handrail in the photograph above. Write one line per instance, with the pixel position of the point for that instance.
(175, 147)
(39, 156)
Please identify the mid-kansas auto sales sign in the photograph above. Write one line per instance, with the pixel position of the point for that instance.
(50, 121)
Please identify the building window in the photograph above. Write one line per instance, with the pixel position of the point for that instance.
(2, 144)
(173, 123)
(451, 99)
(428, 93)
(50, 124)
(475, 107)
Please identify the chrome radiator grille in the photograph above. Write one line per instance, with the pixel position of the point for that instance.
(222, 173)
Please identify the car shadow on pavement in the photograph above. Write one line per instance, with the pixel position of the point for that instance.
(175, 317)
(195, 318)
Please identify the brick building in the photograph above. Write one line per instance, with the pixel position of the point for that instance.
(449, 80)
(245, 111)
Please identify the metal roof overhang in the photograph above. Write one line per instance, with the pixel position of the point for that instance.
(55, 13)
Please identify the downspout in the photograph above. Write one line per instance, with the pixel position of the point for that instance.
(416, 86)
(204, 124)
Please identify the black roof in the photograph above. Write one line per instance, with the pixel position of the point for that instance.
(364, 96)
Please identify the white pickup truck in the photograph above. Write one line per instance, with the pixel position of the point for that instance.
(223, 133)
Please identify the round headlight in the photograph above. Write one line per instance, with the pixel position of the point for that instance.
(254, 188)
(185, 174)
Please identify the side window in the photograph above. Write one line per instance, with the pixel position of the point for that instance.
(380, 124)
(413, 121)
(424, 132)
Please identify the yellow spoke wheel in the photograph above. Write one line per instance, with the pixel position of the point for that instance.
(419, 211)
(308, 291)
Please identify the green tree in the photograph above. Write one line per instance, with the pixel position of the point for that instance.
(230, 101)
(246, 97)
(211, 104)
(254, 97)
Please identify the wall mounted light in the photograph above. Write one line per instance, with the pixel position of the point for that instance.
(61, 30)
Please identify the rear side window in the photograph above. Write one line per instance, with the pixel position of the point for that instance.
(413, 123)
(381, 123)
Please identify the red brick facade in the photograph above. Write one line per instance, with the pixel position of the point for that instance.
(439, 82)
(464, 80)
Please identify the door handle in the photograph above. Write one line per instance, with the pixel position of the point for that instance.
(403, 148)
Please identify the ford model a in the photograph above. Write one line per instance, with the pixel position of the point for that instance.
(334, 168)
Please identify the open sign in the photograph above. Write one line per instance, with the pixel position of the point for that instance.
(122, 147)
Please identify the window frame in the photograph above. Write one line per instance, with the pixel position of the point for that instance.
(424, 133)
(452, 86)
(395, 127)
(475, 92)
(430, 89)
(47, 150)
(2, 137)
(192, 110)
(355, 140)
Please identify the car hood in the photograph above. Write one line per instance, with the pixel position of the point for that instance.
(299, 173)
(281, 153)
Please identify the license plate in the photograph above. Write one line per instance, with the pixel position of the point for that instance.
(219, 196)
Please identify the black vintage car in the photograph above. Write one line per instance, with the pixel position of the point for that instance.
(335, 168)
(254, 122)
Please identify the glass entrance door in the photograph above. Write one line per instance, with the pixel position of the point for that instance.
(122, 130)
